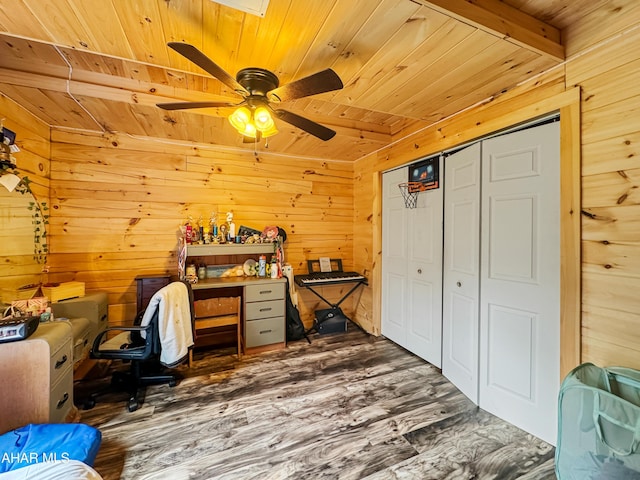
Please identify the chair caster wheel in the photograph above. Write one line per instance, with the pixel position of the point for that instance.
(133, 405)
(173, 383)
(89, 403)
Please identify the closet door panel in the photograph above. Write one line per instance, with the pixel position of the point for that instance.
(412, 269)
(425, 276)
(461, 270)
(394, 258)
(520, 279)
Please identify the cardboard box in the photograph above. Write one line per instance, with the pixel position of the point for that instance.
(64, 291)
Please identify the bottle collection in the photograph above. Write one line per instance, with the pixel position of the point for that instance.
(199, 233)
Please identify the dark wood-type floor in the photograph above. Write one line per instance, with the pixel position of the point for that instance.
(348, 406)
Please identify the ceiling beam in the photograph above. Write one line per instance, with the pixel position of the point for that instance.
(136, 92)
(504, 21)
(108, 87)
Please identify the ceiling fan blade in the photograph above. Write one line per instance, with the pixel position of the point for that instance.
(186, 105)
(196, 56)
(321, 82)
(309, 126)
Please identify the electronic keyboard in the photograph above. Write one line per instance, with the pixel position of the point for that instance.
(328, 278)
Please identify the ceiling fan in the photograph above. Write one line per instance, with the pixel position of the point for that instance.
(259, 88)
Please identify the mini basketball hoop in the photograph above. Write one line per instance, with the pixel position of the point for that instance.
(410, 192)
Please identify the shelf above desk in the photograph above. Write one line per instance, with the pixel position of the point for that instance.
(229, 249)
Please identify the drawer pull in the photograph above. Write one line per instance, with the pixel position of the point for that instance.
(62, 401)
(264, 292)
(61, 362)
(265, 331)
(266, 309)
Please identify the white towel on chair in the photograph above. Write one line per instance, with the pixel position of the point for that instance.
(174, 322)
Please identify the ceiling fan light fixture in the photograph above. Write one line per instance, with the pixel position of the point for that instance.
(240, 118)
(269, 132)
(249, 121)
(262, 119)
(249, 130)
(258, 87)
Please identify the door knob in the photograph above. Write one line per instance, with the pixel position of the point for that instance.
(459, 284)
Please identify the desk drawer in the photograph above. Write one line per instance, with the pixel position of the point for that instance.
(266, 331)
(213, 307)
(61, 399)
(257, 293)
(271, 308)
(60, 360)
(81, 328)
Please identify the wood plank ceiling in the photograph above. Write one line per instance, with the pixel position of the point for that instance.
(101, 66)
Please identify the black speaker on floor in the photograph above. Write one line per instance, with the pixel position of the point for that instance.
(330, 320)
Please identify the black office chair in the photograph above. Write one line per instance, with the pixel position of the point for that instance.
(141, 345)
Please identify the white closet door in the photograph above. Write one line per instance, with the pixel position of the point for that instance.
(394, 258)
(520, 279)
(424, 335)
(461, 285)
(412, 269)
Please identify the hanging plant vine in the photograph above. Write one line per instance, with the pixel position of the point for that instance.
(39, 215)
(39, 219)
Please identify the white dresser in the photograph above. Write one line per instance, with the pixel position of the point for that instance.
(36, 378)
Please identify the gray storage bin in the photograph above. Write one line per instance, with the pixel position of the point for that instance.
(599, 424)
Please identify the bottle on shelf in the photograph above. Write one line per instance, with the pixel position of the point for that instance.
(262, 266)
(191, 274)
(188, 232)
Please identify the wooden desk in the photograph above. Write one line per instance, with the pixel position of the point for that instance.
(262, 316)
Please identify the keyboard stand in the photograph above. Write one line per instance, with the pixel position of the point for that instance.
(334, 306)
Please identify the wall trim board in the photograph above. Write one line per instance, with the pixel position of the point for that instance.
(474, 124)
(570, 237)
(507, 114)
(166, 145)
(376, 267)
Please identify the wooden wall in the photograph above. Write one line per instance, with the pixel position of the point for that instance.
(547, 97)
(17, 265)
(118, 202)
(610, 79)
(603, 64)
